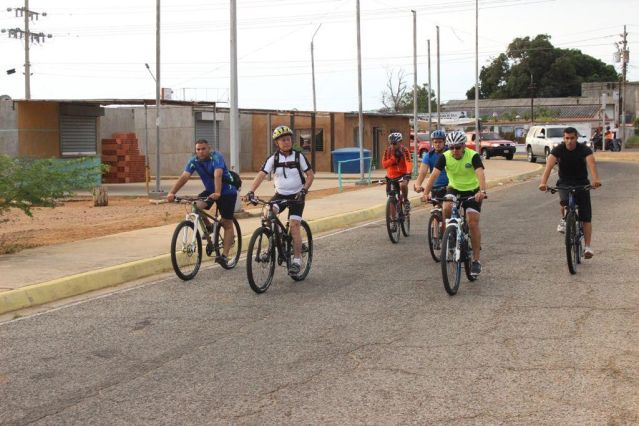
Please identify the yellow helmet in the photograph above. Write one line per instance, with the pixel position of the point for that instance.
(281, 131)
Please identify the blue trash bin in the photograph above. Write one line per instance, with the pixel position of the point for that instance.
(343, 154)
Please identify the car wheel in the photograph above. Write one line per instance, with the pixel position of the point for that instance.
(509, 156)
(531, 157)
(484, 154)
(546, 153)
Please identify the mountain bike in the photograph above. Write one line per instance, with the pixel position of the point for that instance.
(456, 246)
(186, 244)
(397, 210)
(574, 236)
(272, 242)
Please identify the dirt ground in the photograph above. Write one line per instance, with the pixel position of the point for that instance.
(77, 219)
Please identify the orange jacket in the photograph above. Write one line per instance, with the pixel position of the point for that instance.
(396, 167)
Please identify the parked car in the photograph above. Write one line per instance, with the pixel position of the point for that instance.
(423, 144)
(492, 145)
(540, 140)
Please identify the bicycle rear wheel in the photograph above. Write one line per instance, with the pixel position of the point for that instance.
(435, 235)
(405, 220)
(392, 225)
(260, 260)
(571, 242)
(307, 252)
(236, 248)
(186, 250)
(451, 264)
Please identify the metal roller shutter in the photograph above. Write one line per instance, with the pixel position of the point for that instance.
(204, 129)
(78, 135)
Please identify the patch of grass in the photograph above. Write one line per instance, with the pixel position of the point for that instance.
(633, 141)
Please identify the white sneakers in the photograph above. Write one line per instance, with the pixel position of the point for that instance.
(562, 226)
(588, 252)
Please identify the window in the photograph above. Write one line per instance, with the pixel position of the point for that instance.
(303, 139)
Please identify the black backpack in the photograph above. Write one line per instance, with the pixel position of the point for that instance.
(288, 165)
(234, 180)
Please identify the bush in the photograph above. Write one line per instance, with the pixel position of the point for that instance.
(28, 182)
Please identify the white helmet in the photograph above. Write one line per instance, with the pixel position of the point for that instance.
(455, 138)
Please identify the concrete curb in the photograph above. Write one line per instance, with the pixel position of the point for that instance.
(75, 285)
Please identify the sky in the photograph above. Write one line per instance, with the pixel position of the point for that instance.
(98, 49)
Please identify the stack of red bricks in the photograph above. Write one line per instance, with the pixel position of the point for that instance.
(123, 157)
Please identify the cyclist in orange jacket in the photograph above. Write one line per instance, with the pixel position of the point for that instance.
(397, 163)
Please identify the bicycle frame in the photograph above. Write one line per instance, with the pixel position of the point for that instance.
(279, 231)
(195, 216)
(458, 221)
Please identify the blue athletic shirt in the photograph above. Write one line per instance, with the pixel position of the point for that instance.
(430, 159)
(206, 168)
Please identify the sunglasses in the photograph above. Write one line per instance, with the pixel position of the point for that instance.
(457, 147)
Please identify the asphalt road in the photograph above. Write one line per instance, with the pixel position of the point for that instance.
(370, 337)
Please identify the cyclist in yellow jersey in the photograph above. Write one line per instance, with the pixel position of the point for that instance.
(466, 177)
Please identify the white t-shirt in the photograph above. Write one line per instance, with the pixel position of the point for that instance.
(292, 182)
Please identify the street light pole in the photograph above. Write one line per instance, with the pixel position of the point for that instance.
(235, 113)
(430, 112)
(313, 118)
(360, 135)
(477, 132)
(415, 126)
(27, 62)
(438, 76)
(158, 191)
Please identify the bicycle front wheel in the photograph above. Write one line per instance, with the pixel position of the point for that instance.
(450, 261)
(236, 246)
(572, 245)
(260, 260)
(467, 255)
(186, 250)
(391, 220)
(405, 220)
(435, 235)
(307, 252)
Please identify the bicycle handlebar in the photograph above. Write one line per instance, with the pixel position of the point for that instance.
(186, 200)
(386, 179)
(553, 189)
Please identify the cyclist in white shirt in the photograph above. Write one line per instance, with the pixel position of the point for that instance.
(293, 176)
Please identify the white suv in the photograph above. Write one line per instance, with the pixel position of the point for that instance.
(540, 140)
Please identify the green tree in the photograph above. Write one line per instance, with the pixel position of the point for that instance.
(555, 72)
(26, 182)
(423, 95)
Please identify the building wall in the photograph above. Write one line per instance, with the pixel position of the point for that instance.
(39, 129)
(8, 128)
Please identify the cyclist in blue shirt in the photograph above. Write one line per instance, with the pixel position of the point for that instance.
(428, 163)
(211, 168)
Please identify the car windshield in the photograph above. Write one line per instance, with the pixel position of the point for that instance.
(490, 136)
(423, 137)
(555, 132)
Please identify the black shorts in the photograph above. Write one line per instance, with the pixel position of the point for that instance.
(583, 203)
(438, 192)
(295, 208)
(394, 183)
(468, 204)
(225, 204)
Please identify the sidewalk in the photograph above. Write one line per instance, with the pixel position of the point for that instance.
(44, 274)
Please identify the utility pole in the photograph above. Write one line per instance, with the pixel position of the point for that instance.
(29, 37)
(438, 80)
(624, 56)
(532, 87)
(430, 112)
(360, 133)
(158, 190)
(415, 126)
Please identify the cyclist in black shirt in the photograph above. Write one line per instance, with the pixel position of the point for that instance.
(574, 161)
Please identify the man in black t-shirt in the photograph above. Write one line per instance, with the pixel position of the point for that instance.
(574, 161)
